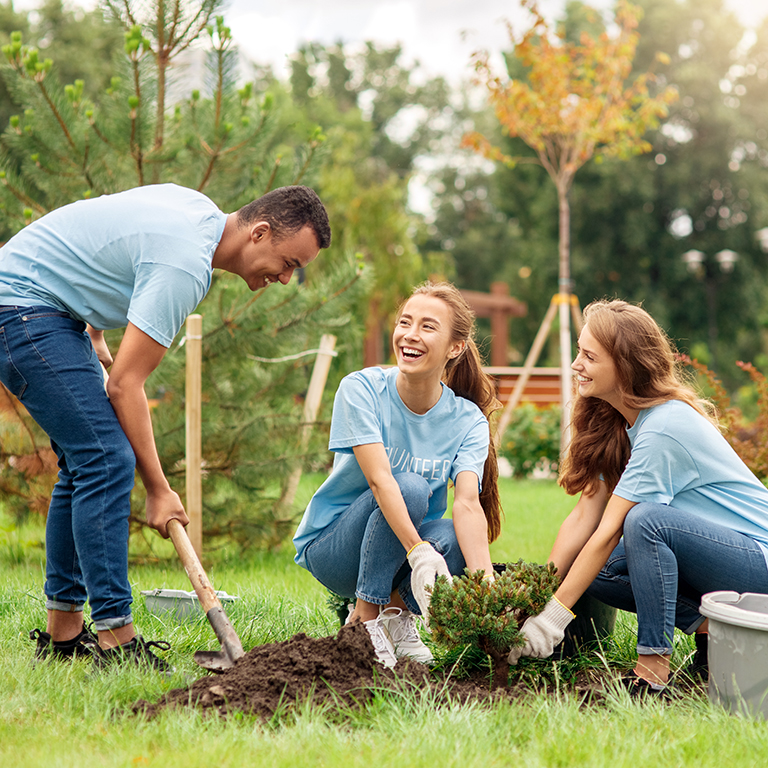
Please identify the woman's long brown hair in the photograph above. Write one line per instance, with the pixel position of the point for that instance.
(465, 376)
(648, 374)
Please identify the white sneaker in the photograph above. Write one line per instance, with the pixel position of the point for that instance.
(385, 652)
(404, 634)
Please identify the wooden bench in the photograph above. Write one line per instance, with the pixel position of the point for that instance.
(542, 388)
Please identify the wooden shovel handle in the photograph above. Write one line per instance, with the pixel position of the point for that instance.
(191, 562)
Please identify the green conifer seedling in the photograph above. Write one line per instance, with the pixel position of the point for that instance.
(488, 614)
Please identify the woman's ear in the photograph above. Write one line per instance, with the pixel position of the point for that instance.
(457, 349)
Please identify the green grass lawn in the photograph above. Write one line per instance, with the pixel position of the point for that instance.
(65, 715)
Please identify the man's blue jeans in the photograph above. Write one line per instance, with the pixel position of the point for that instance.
(358, 554)
(47, 361)
(666, 560)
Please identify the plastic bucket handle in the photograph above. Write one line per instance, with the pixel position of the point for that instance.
(749, 609)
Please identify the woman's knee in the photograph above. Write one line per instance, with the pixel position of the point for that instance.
(416, 492)
(442, 536)
(641, 520)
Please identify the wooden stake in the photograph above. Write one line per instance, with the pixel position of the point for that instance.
(311, 407)
(525, 374)
(194, 458)
(562, 301)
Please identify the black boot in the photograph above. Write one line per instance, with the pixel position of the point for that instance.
(85, 645)
(135, 651)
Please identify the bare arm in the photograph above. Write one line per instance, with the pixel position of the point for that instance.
(102, 350)
(576, 529)
(470, 524)
(374, 463)
(595, 552)
(136, 358)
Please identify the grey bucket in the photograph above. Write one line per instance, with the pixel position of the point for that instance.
(178, 604)
(738, 651)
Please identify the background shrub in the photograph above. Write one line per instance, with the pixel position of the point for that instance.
(532, 438)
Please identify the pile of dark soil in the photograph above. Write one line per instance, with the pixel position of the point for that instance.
(342, 670)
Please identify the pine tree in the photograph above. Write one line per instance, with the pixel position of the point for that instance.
(222, 140)
(488, 614)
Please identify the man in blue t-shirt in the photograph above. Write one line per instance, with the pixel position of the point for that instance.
(143, 260)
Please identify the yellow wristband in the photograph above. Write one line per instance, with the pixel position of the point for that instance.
(565, 606)
(414, 547)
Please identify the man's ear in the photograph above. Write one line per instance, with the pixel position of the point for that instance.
(260, 231)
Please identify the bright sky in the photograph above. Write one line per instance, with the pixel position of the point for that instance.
(441, 34)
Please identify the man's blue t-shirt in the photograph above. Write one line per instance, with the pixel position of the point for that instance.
(679, 458)
(450, 438)
(141, 256)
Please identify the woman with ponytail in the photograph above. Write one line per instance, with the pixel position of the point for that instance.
(667, 512)
(375, 529)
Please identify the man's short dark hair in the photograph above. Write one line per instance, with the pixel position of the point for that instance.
(287, 210)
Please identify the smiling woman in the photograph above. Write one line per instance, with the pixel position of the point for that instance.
(375, 530)
(667, 511)
(595, 370)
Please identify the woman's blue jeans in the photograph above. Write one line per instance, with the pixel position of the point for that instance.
(358, 554)
(47, 361)
(666, 560)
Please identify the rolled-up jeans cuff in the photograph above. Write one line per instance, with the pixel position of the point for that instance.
(58, 605)
(645, 650)
(114, 622)
(370, 599)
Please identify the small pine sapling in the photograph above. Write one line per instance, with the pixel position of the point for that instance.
(469, 610)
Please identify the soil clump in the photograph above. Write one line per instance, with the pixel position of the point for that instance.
(341, 670)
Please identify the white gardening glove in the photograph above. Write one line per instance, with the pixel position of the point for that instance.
(426, 565)
(543, 632)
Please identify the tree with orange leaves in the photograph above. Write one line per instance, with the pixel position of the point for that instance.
(574, 103)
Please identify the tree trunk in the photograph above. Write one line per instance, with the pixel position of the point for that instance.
(499, 664)
(500, 668)
(564, 290)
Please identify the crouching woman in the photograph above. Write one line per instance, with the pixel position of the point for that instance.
(375, 529)
(667, 512)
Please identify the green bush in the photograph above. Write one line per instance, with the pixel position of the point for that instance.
(467, 610)
(532, 438)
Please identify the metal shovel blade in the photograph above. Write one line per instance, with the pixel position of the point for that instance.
(231, 647)
(215, 661)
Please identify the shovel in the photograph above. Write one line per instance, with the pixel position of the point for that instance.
(231, 647)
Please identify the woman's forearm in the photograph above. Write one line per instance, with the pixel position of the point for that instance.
(585, 569)
(388, 496)
(472, 534)
(595, 553)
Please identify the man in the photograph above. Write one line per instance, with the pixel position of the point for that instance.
(143, 260)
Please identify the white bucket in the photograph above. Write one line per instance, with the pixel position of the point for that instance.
(738, 651)
(181, 605)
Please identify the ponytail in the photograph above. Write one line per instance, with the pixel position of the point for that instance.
(465, 376)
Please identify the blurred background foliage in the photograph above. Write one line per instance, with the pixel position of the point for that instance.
(379, 140)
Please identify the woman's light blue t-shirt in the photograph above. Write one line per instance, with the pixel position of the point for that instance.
(452, 437)
(141, 256)
(680, 458)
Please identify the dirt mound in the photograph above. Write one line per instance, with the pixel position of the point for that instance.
(341, 668)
